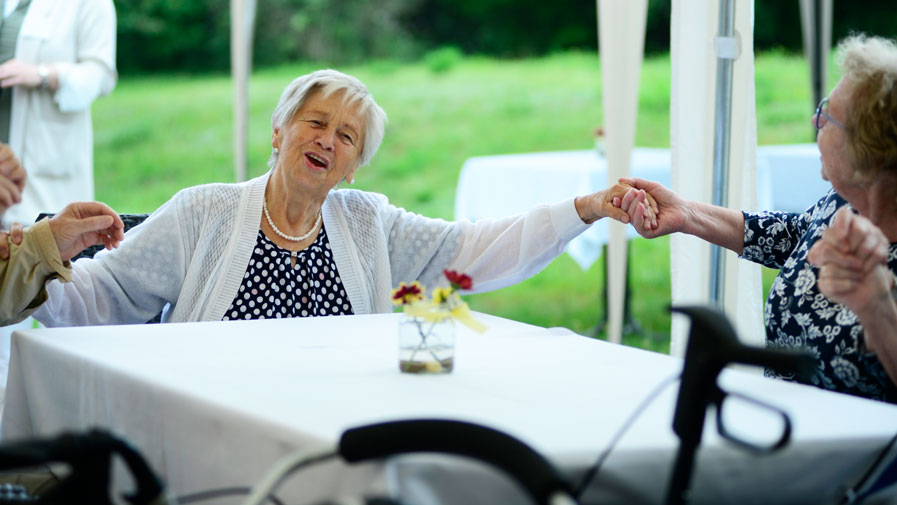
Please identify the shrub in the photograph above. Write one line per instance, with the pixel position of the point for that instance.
(443, 59)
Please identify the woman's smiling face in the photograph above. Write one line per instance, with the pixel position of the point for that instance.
(321, 145)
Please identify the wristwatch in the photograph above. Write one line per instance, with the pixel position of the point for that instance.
(44, 74)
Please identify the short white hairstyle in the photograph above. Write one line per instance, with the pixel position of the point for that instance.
(328, 82)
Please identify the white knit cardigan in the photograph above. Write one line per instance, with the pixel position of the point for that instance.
(192, 253)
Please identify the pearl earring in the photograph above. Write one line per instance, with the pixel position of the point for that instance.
(276, 151)
(351, 181)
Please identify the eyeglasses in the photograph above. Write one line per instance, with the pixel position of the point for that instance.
(823, 118)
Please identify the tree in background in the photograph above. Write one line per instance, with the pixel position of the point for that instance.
(336, 31)
(185, 35)
(194, 35)
(511, 28)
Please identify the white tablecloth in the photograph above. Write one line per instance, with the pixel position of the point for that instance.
(216, 404)
(495, 186)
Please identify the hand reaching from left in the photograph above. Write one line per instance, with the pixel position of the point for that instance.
(601, 204)
(83, 224)
(669, 211)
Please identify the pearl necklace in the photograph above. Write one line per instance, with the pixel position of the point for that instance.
(291, 238)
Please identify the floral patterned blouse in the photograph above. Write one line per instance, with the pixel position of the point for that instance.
(798, 315)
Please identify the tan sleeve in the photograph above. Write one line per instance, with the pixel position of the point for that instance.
(30, 266)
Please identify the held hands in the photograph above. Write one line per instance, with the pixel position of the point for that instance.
(852, 259)
(83, 224)
(602, 204)
(652, 209)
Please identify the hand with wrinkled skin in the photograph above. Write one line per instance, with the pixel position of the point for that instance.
(16, 231)
(601, 204)
(852, 257)
(671, 211)
(83, 224)
(718, 225)
(12, 179)
(852, 260)
(12, 182)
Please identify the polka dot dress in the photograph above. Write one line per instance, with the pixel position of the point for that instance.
(273, 288)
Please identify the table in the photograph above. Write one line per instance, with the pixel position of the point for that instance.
(216, 404)
(788, 179)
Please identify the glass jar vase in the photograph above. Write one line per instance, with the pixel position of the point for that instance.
(426, 346)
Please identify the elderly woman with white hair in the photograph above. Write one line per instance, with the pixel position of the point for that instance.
(287, 244)
(837, 260)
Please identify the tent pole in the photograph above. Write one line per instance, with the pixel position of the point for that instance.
(242, 21)
(726, 52)
(816, 24)
(818, 81)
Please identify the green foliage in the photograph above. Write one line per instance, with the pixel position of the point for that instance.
(173, 35)
(157, 135)
(505, 27)
(443, 59)
(194, 35)
(334, 31)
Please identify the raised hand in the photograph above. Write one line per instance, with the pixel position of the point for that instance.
(83, 224)
(852, 259)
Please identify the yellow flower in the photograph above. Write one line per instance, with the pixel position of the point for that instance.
(441, 295)
(445, 302)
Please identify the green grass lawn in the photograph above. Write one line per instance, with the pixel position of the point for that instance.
(156, 135)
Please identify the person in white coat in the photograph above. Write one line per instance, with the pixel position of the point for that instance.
(58, 56)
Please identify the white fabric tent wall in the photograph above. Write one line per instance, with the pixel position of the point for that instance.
(694, 28)
(621, 31)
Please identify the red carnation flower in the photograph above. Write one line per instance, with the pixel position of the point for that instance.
(407, 293)
(458, 281)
